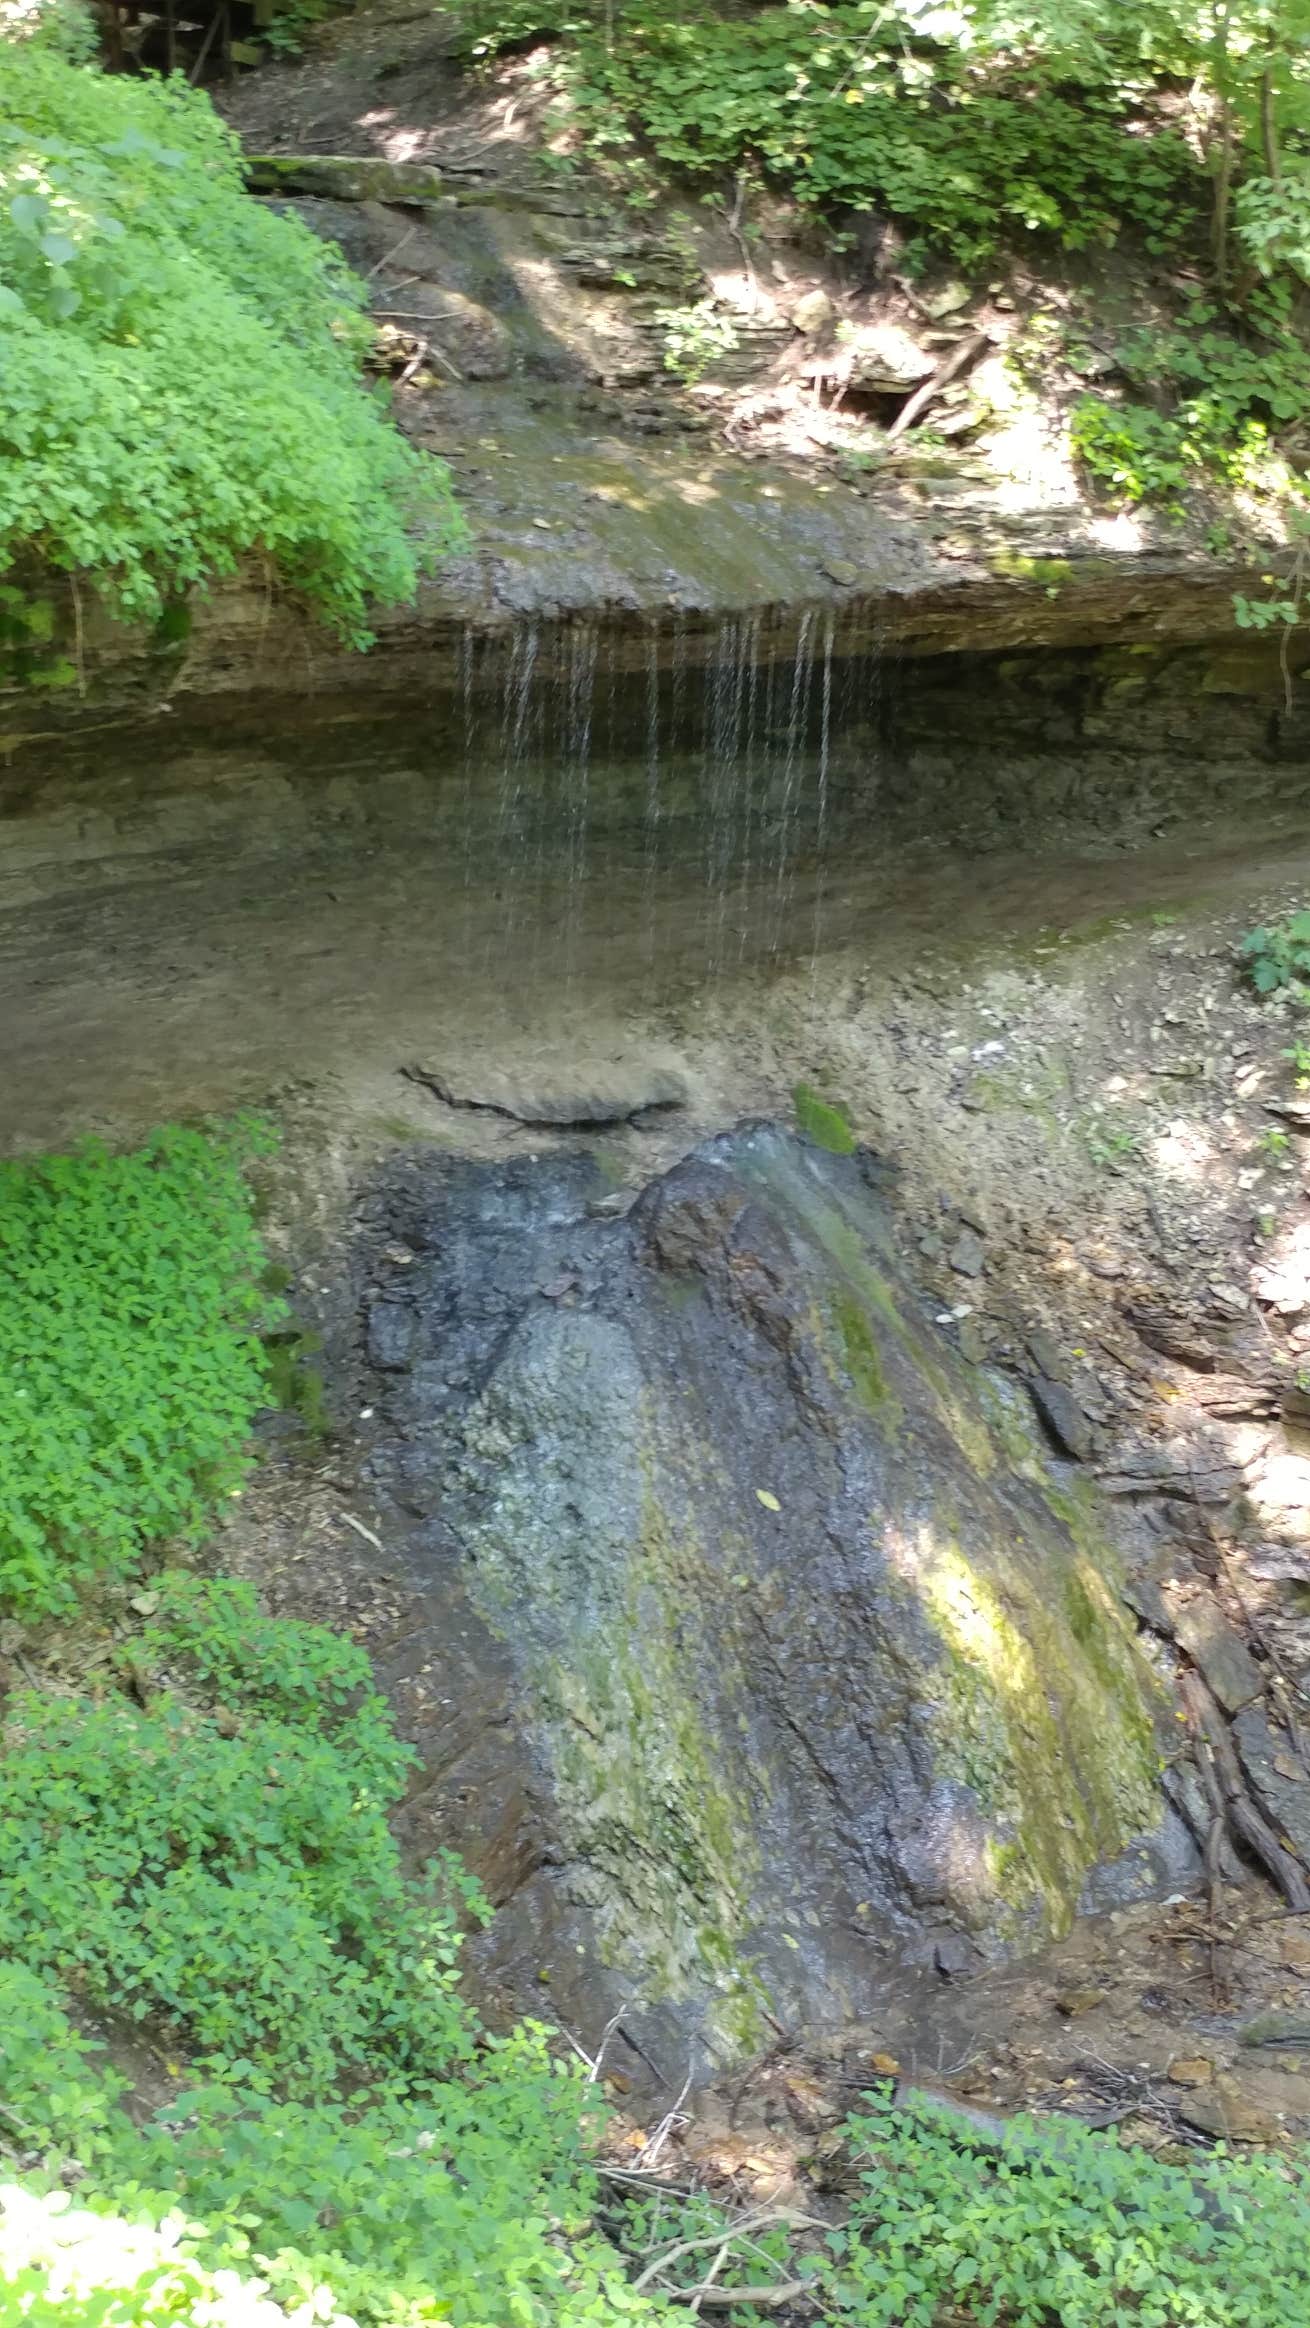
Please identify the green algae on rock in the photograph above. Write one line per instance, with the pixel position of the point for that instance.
(825, 1121)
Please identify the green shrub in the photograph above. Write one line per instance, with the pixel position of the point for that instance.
(216, 1866)
(211, 1629)
(1052, 2224)
(129, 1317)
(54, 2095)
(181, 378)
(469, 2199)
(1229, 395)
(1276, 957)
(849, 113)
(243, 1890)
(470, 2204)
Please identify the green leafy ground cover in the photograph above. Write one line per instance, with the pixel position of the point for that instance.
(180, 369)
(195, 1857)
(129, 1346)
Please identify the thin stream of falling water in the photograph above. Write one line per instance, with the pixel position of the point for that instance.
(579, 703)
(723, 771)
(678, 689)
(821, 809)
(748, 751)
(515, 726)
(467, 658)
(608, 725)
(714, 704)
(651, 820)
(802, 674)
(735, 776)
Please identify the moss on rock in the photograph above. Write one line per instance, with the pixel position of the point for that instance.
(825, 1121)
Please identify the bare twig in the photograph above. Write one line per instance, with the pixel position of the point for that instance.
(735, 214)
(1213, 1847)
(672, 2118)
(761, 2218)
(203, 51)
(388, 256)
(360, 1530)
(646, 2180)
(1288, 1686)
(764, 2299)
(700, 2294)
(594, 2062)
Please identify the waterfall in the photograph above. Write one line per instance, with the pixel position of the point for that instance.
(821, 787)
(677, 793)
(650, 856)
(579, 711)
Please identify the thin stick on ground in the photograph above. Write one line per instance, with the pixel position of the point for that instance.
(762, 2218)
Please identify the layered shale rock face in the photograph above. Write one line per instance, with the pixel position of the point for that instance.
(812, 1662)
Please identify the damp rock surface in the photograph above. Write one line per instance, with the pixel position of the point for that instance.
(815, 1665)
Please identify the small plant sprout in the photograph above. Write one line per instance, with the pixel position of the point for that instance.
(1109, 1145)
(1276, 957)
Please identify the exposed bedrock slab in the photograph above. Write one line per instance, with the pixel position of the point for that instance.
(815, 1663)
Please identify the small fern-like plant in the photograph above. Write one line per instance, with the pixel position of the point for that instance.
(130, 1315)
(181, 378)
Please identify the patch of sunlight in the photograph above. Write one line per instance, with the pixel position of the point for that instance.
(624, 497)
(1282, 1275)
(1184, 1151)
(399, 145)
(974, 1621)
(1024, 443)
(967, 1610)
(691, 489)
(71, 2260)
(18, 18)
(1280, 1494)
(1123, 532)
(907, 1553)
(737, 289)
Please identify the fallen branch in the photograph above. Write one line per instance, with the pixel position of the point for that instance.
(672, 2118)
(957, 361)
(784, 2292)
(734, 216)
(349, 1520)
(757, 2219)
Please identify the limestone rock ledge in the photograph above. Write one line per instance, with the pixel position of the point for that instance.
(668, 541)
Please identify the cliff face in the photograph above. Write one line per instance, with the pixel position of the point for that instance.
(588, 529)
